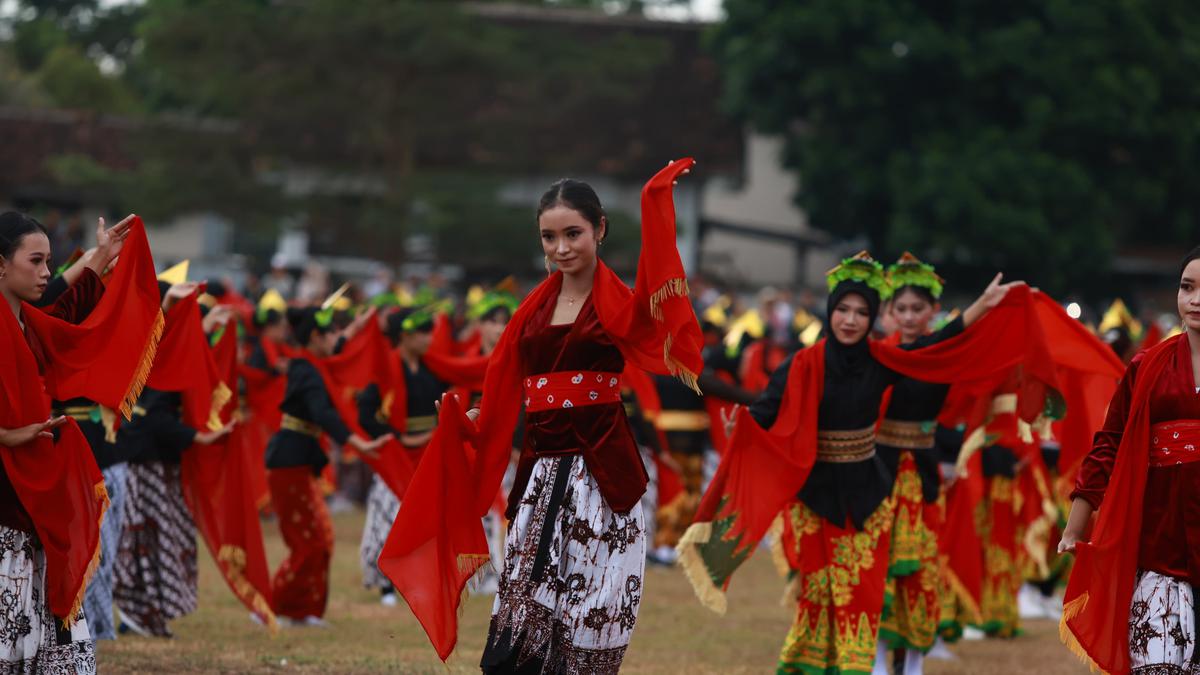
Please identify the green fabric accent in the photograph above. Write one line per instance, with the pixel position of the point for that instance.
(493, 300)
(915, 274)
(721, 555)
(868, 272)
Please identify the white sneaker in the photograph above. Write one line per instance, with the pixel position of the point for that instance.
(315, 622)
(666, 554)
(940, 651)
(973, 633)
(1029, 603)
(388, 600)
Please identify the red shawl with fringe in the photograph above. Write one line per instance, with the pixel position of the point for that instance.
(185, 364)
(764, 469)
(219, 489)
(105, 359)
(437, 541)
(1095, 622)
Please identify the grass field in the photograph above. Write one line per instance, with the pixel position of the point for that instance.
(674, 633)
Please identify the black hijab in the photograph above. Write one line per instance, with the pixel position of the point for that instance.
(840, 359)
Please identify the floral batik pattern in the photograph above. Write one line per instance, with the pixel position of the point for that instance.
(382, 507)
(31, 638)
(913, 607)
(1162, 627)
(156, 573)
(841, 580)
(571, 586)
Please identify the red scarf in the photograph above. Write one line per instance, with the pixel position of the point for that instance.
(369, 359)
(437, 542)
(104, 359)
(1088, 371)
(185, 364)
(764, 469)
(1095, 622)
(218, 487)
(107, 357)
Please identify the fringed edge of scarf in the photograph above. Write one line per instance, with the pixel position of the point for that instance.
(959, 589)
(221, 397)
(678, 370)
(232, 561)
(100, 492)
(775, 545)
(694, 569)
(145, 365)
(467, 562)
(1071, 610)
(673, 288)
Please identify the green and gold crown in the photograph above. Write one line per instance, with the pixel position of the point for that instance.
(910, 271)
(862, 268)
(492, 300)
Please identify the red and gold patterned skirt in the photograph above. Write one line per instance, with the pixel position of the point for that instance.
(841, 578)
(913, 607)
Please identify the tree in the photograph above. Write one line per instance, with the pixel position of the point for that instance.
(395, 97)
(1029, 136)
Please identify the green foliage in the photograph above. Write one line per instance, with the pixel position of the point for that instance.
(72, 80)
(1028, 136)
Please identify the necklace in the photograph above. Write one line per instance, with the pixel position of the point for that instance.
(570, 301)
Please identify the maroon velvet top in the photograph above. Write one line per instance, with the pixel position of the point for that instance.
(1170, 537)
(72, 306)
(601, 433)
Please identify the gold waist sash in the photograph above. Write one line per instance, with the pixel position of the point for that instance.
(843, 447)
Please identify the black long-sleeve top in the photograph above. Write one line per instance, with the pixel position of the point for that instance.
(156, 431)
(305, 399)
(916, 401)
(854, 384)
(423, 389)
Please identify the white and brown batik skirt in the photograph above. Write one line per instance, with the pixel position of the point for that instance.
(155, 570)
(1162, 627)
(572, 580)
(31, 639)
(382, 507)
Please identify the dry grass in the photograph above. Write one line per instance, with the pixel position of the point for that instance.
(674, 634)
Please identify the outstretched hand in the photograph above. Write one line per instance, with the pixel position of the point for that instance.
(729, 419)
(15, 438)
(991, 297)
(109, 242)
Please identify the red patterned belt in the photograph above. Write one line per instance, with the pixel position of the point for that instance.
(571, 389)
(1175, 442)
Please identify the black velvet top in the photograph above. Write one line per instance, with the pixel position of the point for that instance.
(305, 399)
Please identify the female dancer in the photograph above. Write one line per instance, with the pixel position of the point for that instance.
(822, 405)
(50, 521)
(905, 444)
(155, 573)
(409, 332)
(295, 458)
(1131, 607)
(571, 586)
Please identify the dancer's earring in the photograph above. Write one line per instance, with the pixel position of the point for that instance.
(545, 257)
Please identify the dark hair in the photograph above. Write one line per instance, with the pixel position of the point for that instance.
(1187, 259)
(920, 291)
(499, 313)
(577, 196)
(303, 321)
(13, 228)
